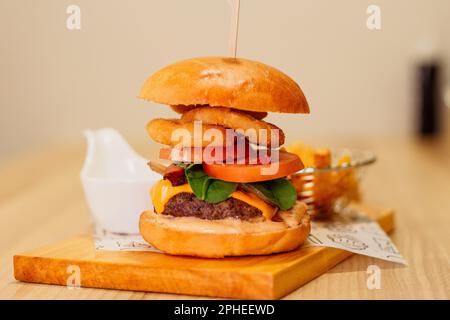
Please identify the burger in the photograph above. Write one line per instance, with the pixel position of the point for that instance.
(225, 188)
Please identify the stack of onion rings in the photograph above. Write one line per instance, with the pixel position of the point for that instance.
(256, 131)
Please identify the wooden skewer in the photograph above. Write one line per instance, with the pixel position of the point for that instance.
(235, 4)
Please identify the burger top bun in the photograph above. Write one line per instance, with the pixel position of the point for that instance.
(227, 82)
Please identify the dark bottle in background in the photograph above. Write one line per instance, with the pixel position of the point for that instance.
(429, 113)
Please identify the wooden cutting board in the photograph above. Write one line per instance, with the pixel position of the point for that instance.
(253, 277)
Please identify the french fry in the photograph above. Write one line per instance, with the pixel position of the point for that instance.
(322, 158)
(323, 189)
(306, 153)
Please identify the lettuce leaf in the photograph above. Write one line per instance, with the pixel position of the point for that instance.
(278, 192)
(206, 188)
(219, 190)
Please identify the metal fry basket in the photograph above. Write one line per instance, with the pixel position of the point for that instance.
(328, 190)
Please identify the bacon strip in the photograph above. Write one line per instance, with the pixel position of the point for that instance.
(175, 175)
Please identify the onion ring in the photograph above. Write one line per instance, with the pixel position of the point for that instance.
(236, 120)
(164, 131)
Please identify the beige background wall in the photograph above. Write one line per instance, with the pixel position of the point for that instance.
(55, 82)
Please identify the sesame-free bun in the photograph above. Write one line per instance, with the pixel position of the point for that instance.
(220, 238)
(225, 82)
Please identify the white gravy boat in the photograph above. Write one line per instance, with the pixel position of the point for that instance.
(116, 182)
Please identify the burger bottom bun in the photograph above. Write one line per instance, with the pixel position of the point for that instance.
(220, 238)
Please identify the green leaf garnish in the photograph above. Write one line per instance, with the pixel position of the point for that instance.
(198, 180)
(206, 188)
(279, 192)
(284, 192)
(219, 190)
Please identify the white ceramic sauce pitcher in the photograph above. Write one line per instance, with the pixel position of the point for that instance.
(116, 182)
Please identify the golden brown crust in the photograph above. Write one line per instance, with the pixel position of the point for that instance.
(237, 120)
(161, 130)
(182, 109)
(255, 114)
(217, 240)
(219, 81)
(179, 108)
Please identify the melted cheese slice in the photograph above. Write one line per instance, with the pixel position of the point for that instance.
(163, 191)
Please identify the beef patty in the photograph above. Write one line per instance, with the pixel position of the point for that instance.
(188, 205)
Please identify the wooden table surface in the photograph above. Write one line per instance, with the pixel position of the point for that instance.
(41, 201)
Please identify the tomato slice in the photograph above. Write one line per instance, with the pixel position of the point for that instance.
(287, 164)
(200, 155)
(182, 155)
